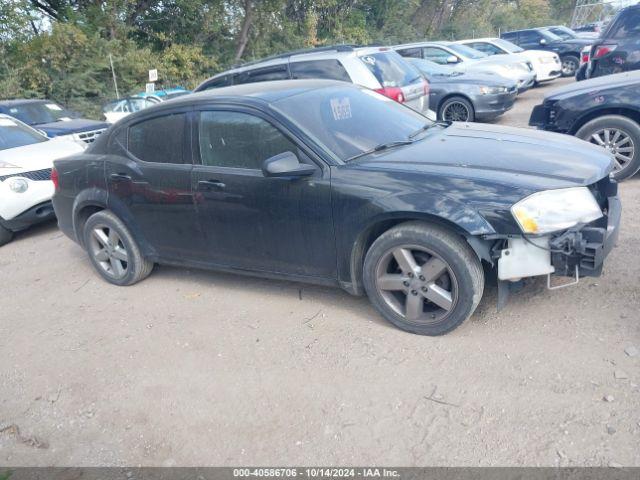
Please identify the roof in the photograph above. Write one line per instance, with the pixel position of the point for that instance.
(267, 92)
(426, 42)
(22, 101)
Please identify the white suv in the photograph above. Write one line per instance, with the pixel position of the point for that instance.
(26, 158)
(378, 68)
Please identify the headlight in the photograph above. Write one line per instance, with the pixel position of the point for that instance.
(18, 185)
(492, 90)
(553, 210)
(6, 165)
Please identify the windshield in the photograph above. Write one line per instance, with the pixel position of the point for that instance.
(507, 45)
(35, 113)
(390, 69)
(14, 134)
(563, 32)
(550, 36)
(349, 121)
(466, 51)
(431, 69)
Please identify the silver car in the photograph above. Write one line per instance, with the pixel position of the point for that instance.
(466, 59)
(377, 68)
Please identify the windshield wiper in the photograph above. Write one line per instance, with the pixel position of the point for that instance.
(426, 127)
(379, 148)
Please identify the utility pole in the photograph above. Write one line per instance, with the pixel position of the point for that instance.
(113, 72)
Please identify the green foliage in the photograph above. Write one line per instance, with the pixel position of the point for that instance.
(60, 49)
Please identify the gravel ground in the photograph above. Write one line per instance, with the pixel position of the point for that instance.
(199, 368)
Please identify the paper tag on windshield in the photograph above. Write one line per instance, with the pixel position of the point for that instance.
(5, 122)
(65, 119)
(53, 106)
(341, 108)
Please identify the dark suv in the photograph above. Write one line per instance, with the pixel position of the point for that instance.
(618, 50)
(543, 39)
(330, 183)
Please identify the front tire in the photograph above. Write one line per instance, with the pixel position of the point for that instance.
(6, 235)
(570, 65)
(423, 278)
(457, 109)
(620, 136)
(113, 251)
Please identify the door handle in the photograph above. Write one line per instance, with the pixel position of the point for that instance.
(120, 177)
(210, 185)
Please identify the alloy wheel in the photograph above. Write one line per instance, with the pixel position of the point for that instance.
(417, 284)
(456, 112)
(569, 68)
(109, 251)
(617, 142)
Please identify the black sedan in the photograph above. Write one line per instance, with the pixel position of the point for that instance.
(604, 111)
(466, 97)
(326, 182)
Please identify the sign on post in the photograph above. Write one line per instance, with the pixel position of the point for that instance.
(153, 75)
(150, 88)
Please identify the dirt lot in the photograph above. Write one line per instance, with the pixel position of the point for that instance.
(201, 368)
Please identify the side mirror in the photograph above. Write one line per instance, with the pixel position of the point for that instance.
(452, 59)
(286, 164)
(543, 41)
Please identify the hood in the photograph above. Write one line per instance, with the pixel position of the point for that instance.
(524, 158)
(616, 80)
(76, 125)
(534, 55)
(37, 156)
(506, 59)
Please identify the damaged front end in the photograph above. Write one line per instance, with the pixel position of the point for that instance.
(578, 251)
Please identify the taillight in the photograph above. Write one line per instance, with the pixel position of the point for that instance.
(393, 93)
(54, 178)
(602, 50)
(585, 57)
(426, 87)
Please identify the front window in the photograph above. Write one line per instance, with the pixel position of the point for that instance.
(14, 134)
(549, 36)
(350, 121)
(390, 69)
(467, 52)
(36, 113)
(239, 140)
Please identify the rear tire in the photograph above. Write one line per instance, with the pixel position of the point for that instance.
(570, 65)
(6, 235)
(626, 133)
(113, 251)
(457, 109)
(423, 278)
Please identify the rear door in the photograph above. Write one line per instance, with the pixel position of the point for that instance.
(149, 183)
(253, 222)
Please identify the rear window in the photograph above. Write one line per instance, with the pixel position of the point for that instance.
(627, 25)
(390, 69)
(159, 140)
(266, 74)
(14, 134)
(325, 69)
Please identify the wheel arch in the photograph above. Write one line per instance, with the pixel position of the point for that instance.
(629, 113)
(384, 223)
(455, 95)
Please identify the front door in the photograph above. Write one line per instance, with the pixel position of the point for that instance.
(254, 222)
(149, 182)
